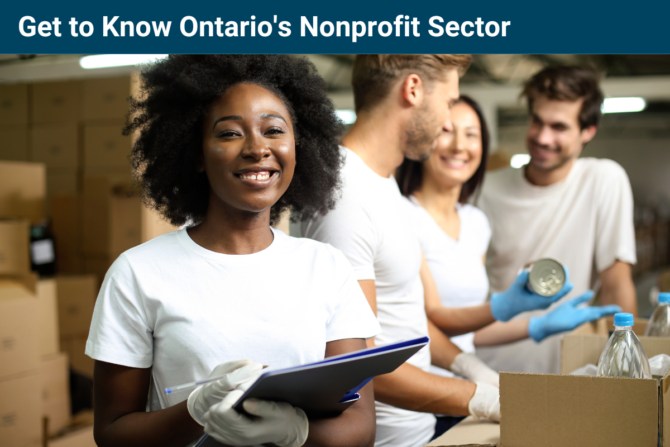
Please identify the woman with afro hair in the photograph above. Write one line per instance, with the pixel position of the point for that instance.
(225, 145)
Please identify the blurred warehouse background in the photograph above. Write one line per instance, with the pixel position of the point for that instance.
(68, 208)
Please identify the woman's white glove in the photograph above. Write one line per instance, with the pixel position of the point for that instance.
(238, 375)
(485, 404)
(469, 367)
(271, 422)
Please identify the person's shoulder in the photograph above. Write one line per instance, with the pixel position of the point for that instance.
(602, 169)
(309, 248)
(498, 183)
(156, 248)
(474, 217)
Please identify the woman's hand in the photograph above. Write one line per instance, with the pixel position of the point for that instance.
(567, 317)
(238, 375)
(518, 298)
(278, 423)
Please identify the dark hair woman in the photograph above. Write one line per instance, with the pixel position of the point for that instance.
(455, 235)
(226, 143)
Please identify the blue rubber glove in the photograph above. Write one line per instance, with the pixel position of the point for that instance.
(567, 317)
(519, 299)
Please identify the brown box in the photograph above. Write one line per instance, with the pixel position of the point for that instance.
(13, 104)
(75, 347)
(76, 299)
(14, 247)
(573, 411)
(62, 181)
(48, 317)
(55, 377)
(55, 145)
(470, 433)
(153, 224)
(22, 190)
(21, 411)
(97, 266)
(112, 219)
(65, 223)
(105, 146)
(55, 102)
(80, 437)
(14, 143)
(105, 98)
(19, 332)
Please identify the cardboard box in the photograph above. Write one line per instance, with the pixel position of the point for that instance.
(62, 181)
(14, 247)
(97, 266)
(48, 317)
(560, 410)
(22, 190)
(20, 411)
(75, 347)
(19, 332)
(470, 433)
(55, 102)
(153, 225)
(55, 145)
(55, 386)
(76, 299)
(112, 218)
(14, 143)
(81, 437)
(65, 224)
(105, 98)
(105, 146)
(13, 104)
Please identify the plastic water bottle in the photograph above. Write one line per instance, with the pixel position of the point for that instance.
(659, 323)
(624, 355)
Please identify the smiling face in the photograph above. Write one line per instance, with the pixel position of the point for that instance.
(554, 135)
(431, 118)
(459, 152)
(248, 148)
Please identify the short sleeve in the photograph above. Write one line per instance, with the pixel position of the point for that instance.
(119, 331)
(350, 229)
(350, 313)
(615, 233)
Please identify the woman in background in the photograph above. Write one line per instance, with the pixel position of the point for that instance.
(455, 236)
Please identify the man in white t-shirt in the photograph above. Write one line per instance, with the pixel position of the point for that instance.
(576, 210)
(403, 102)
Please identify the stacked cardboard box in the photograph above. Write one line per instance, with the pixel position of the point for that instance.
(20, 380)
(76, 299)
(14, 122)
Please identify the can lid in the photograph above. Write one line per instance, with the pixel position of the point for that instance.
(623, 319)
(664, 297)
(546, 277)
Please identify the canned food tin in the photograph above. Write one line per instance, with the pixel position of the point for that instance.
(546, 277)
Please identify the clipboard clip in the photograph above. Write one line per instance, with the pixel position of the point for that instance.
(352, 395)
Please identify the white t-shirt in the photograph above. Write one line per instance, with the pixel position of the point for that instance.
(181, 309)
(456, 265)
(585, 222)
(372, 225)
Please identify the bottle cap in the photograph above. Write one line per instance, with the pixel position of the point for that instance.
(623, 319)
(664, 297)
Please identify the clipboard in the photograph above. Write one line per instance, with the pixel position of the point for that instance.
(330, 386)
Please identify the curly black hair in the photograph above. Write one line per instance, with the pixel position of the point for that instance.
(177, 93)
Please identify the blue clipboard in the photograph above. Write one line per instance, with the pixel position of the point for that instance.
(328, 387)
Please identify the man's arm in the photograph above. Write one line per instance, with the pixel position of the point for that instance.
(411, 388)
(617, 287)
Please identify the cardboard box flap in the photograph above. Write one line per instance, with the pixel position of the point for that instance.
(553, 410)
(470, 433)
